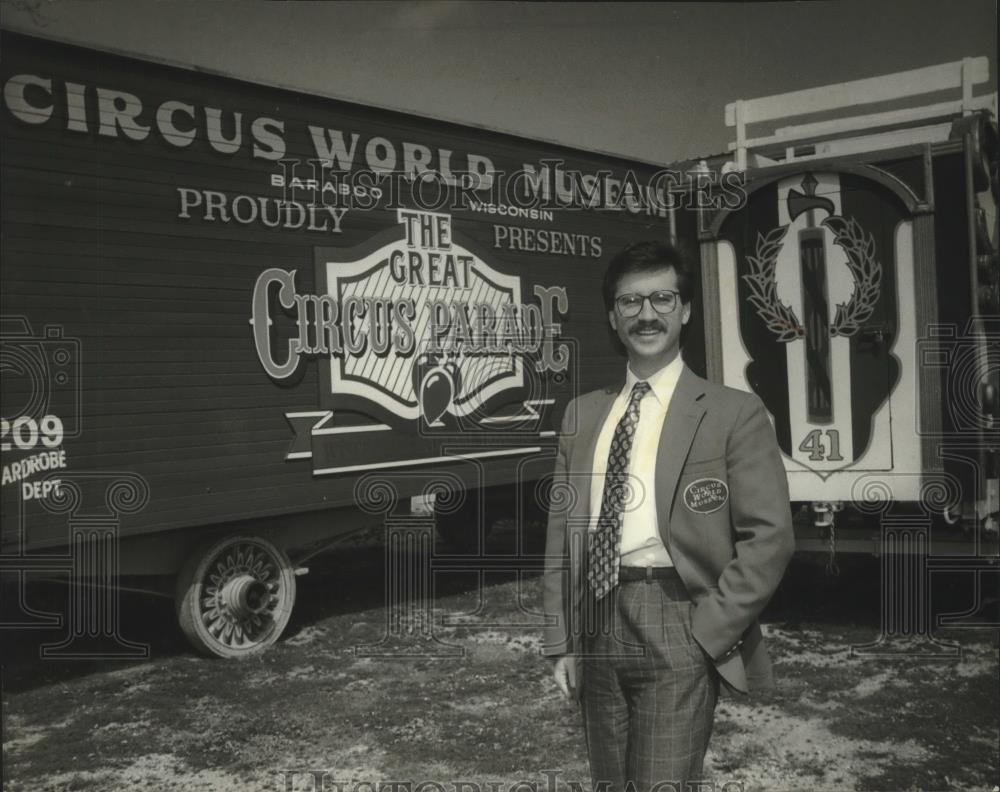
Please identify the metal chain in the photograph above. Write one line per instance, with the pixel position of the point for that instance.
(832, 568)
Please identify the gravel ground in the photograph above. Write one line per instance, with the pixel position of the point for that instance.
(488, 713)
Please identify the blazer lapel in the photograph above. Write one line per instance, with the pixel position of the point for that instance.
(684, 414)
(590, 426)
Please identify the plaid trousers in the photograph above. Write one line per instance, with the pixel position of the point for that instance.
(649, 691)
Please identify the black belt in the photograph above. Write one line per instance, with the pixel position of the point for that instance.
(632, 574)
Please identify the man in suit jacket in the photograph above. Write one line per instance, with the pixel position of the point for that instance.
(669, 532)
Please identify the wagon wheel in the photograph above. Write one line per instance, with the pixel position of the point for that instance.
(234, 597)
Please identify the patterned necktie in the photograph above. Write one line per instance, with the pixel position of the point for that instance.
(602, 573)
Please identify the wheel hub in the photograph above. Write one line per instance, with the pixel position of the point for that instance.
(244, 596)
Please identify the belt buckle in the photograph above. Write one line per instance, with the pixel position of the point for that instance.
(649, 575)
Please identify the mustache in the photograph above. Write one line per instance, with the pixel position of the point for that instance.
(647, 324)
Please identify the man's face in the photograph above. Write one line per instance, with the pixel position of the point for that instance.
(651, 339)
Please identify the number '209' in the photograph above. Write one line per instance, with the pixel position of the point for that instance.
(26, 432)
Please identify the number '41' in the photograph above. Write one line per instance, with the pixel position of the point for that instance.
(814, 445)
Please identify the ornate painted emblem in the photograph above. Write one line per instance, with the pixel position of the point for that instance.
(813, 284)
(412, 330)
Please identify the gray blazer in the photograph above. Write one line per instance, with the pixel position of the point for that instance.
(723, 514)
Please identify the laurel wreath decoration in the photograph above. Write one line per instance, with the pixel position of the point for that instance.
(866, 269)
(779, 318)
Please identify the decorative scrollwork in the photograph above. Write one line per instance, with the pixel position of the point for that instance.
(376, 494)
(66, 499)
(127, 495)
(448, 491)
(562, 495)
(631, 494)
(940, 492)
(872, 495)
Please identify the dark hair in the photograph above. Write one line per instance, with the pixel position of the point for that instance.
(646, 257)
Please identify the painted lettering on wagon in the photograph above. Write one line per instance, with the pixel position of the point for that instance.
(216, 206)
(39, 100)
(43, 101)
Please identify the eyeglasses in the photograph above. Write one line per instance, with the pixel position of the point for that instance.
(663, 302)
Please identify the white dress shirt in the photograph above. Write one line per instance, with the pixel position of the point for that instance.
(640, 541)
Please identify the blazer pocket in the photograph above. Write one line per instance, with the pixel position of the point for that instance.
(715, 465)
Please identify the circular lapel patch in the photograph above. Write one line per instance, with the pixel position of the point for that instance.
(706, 495)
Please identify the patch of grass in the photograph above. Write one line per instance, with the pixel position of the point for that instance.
(81, 782)
(903, 775)
(723, 727)
(926, 714)
(729, 760)
(808, 765)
